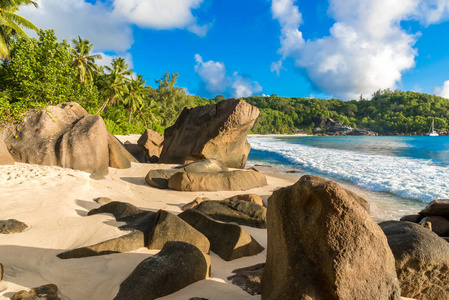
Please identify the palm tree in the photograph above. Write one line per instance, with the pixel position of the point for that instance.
(120, 67)
(113, 88)
(134, 95)
(83, 61)
(11, 24)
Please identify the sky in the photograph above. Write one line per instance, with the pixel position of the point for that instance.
(239, 48)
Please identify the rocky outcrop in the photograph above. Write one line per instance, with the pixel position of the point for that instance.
(436, 208)
(253, 198)
(12, 226)
(322, 244)
(176, 266)
(66, 136)
(151, 142)
(5, 157)
(213, 131)
(240, 212)
(439, 225)
(249, 278)
(44, 292)
(148, 229)
(222, 181)
(422, 260)
(119, 157)
(412, 218)
(229, 241)
(159, 178)
(137, 152)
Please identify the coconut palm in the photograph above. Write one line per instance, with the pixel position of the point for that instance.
(11, 24)
(83, 61)
(135, 92)
(120, 67)
(113, 88)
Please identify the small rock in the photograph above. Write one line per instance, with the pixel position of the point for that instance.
(253, 198)
(44, 292)
(249, 278)
(103, 200)
(439, 225)
(293, 172)
(192, 204)
(426, 225)
(12, 226)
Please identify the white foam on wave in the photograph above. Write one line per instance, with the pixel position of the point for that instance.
(405, 177)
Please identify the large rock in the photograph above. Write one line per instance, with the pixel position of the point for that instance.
(229, 241)
(148, 229)
(322, 244)
(151, 141)
(439, 225)
(222, 181)
(12, 226)
(176, 266)
(249, 278)
(436, 208)
(44, 292)
(241, 212)
(213, 131)
(422, 260)
(66, 136)
(119, 157)
(5, 156)
(137, 151)
(159, 178)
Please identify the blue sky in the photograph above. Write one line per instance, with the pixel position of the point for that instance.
(323, 48)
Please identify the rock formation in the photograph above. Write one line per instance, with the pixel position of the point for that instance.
(176, 266)
(213, 131)
(422, 260)
(322, 244)
(229, 241)
(253, 198)
(151, 142)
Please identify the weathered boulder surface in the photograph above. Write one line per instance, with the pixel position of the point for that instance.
(222, 181)
(213, 131)
(193, 204)
(436, 208)
(67, 136)
(249, 278)
(241, 212)
(229, 241)
(422, 260)
(176, 266)
(119, 157)
(412, 218)
(159, 178)
(12, 226)
(322, 244)
(151, 142)
(44, 292)
(439, 225)
(148, 229)
(5, 156)
(254, 198)
(137, 151)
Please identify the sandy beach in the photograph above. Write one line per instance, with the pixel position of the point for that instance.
(54, 203)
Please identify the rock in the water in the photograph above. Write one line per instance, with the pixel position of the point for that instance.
(193, 204)
(240, 212)
(249, 278)
(59, 137)
(440, 225)
(229, 241)
(148, 229)
(436, 208)
(12, 226)
(151, 141)
(253, 198)
(5, 156)
(44, 292)
(213, 131)
(119, 157)
(322, 244)
(176, 266)
(411, 218)
(422, 260)
(221, 181)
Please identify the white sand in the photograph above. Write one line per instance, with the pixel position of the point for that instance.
(54, 203)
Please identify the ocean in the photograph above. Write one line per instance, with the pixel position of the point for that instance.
(398, 175)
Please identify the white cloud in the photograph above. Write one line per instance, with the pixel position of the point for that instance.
(109, 25)
(106, 60)
(442, 91)
(366, 50)
(215, 80)
(277, 67)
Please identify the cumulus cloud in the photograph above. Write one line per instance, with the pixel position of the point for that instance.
(215, 81)
(108, 25)
(366, 50)
(442, 91)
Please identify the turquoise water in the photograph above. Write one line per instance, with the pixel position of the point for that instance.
(404, 169)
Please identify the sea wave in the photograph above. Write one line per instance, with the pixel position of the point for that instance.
(402, 176)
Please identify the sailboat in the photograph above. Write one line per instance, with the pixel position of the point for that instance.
(432, 131)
